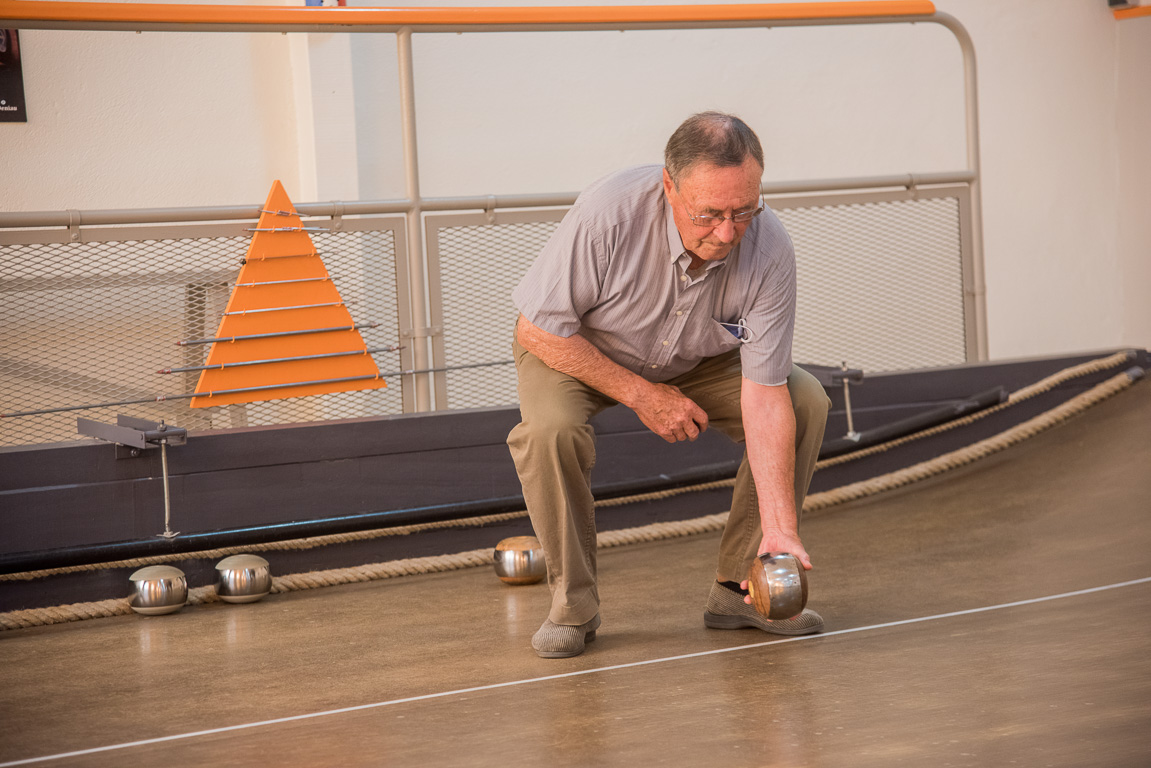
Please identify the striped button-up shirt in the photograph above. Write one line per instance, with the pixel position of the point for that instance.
(616, 272)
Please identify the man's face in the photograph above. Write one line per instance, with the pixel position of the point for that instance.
(708, 190)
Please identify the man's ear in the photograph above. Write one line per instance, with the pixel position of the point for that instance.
(668, 184)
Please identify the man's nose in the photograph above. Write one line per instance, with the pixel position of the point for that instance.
(725, 232)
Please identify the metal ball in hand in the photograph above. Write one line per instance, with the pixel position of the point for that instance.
(778, 586)
(158, 589)
(243, 578)
(520, 560)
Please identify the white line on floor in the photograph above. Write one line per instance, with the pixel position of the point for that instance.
(493, 686)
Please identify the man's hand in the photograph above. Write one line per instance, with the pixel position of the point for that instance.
(662, 408)
(780, 541)
(670, 414)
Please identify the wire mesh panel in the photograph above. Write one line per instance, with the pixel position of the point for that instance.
(89, 323)
(880, 282)
(881, 286)
(479, 264)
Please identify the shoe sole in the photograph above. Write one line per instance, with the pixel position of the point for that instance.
(729, 621)
(567, 654)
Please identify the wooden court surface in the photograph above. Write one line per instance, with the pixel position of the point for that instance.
(999, 614)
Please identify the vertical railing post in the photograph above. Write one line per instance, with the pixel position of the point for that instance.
(978, 299)
(420, 384)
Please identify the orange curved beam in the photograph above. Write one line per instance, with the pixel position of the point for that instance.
(1131, 13)
(53, 10)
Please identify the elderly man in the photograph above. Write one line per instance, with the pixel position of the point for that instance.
(669, 289)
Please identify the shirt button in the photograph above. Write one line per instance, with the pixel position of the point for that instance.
(677, 314)
(666, 343)
(654, 365)
(683, 278)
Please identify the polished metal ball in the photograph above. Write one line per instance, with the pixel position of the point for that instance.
(243, 578)
(158, 589)
(778, 586)
(520, 560)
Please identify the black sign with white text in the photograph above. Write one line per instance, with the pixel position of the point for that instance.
(12, 108)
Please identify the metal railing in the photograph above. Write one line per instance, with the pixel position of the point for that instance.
(72, 282)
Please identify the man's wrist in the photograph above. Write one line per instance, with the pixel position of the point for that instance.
(780, 530)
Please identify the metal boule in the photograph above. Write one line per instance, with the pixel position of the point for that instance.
(243, 578)
(520, 560)
(778, 586)
(158, 589)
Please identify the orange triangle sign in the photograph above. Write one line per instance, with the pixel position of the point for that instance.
(284, 312)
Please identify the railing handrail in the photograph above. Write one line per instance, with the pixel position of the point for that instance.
(129, 216)
(1132, 13)
(39, 14)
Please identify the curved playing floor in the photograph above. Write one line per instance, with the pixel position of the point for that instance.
(942, 650)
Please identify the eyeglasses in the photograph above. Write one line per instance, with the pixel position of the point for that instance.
(736, 218)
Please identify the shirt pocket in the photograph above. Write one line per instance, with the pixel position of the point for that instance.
(714, 339)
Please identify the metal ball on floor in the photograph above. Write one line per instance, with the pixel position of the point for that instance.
(243, 579)
(520, 560)
(158, 589)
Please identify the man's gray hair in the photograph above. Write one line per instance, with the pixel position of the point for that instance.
(710, 137)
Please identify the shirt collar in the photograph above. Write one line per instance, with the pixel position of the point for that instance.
(674, 241)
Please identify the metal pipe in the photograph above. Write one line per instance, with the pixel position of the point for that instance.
(417, 268)
(282, 309)
(222, 366)
(851, 433)
(284, 282)
(276, 334)
(971, 102)
(32, 219)
(187, 396)
(168, 533)
(264, 387)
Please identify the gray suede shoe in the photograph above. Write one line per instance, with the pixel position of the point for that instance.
(561, 641)
(726, 610)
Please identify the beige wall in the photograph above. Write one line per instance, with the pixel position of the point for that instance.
(1133, 124)
(1057, 113)
(125, 120)
(118, 119)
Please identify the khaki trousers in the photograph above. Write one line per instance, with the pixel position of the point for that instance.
(554, 451)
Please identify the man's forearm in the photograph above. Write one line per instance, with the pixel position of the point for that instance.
(579, 358)
(769, 429)
(662, 408)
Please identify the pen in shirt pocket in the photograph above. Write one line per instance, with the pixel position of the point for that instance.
(738, 329)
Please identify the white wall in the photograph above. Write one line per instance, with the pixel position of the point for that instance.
(125, 120)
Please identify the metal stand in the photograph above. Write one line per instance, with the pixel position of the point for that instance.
(140, 435)
(848, 376)
(830, 376)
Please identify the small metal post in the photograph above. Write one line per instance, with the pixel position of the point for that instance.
(851, 433)
(168, 532)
